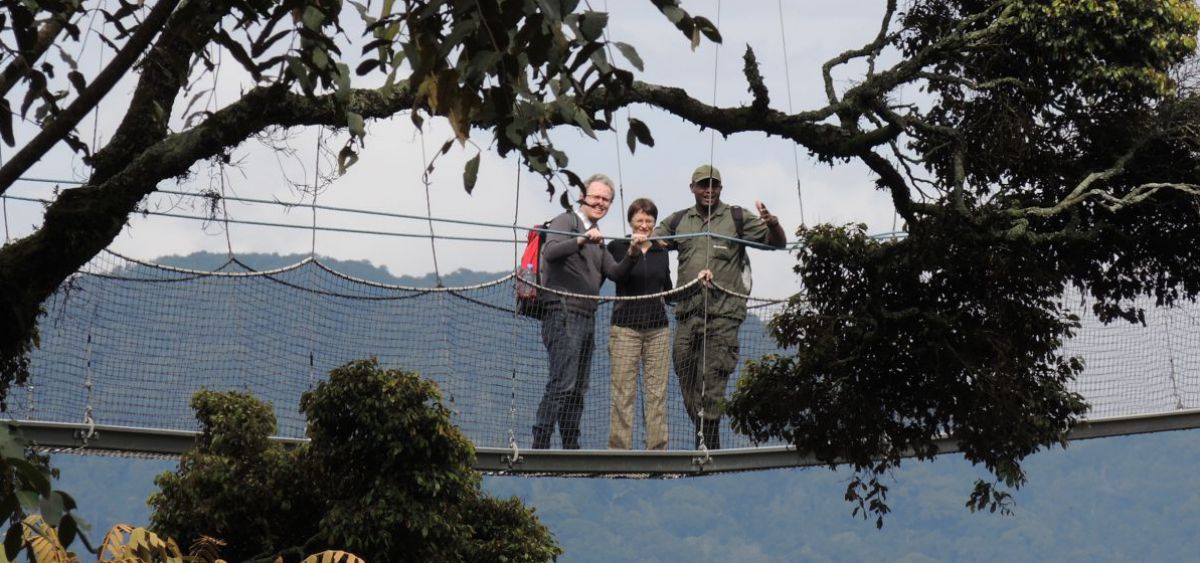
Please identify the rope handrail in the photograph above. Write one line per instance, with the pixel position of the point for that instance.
(306, 260)
(417, 289)
(668, 293)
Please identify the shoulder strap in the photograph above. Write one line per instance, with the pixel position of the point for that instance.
(739, 221)
(674, 219)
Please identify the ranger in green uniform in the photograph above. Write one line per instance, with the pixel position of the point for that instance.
(706, 345)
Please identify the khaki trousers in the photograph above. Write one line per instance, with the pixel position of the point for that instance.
(629, 349)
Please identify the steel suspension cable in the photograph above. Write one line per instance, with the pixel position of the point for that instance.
(712, 143)
(429, 209)
(312, 254)
(787, 74)
(512, 405)
(616, 134)
(4, 202)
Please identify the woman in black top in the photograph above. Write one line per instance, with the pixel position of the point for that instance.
(640, 337)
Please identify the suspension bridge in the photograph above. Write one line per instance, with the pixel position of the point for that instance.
(126, 342)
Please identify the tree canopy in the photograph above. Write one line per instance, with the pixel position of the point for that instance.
(1053, 144)
(386, 476)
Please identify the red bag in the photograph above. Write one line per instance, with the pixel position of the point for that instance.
(529, 271)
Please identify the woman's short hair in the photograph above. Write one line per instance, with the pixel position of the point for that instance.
(644, 205)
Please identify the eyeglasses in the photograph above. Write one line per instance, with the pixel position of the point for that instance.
(709, 183)
(599, 198)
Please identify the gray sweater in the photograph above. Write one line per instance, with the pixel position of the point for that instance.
(575, 268)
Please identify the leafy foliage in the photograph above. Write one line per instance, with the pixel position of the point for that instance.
(125, 543)
(251, 491)
(39, 517)
(386, 475)
(1055, 151)
(1045, 92)
(899, 343)
(43, 542)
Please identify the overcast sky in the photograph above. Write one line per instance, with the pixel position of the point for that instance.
(388, 176)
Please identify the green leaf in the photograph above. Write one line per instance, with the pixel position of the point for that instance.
(639, 132)
(320, 58)
(601, 62)
(52, 510)
(77, 80)
(483, 61)
(6, 129)
(591, 25)
(630, 54)
(367, 66)
(707, 28)
(67, 530)
(674, 14)
(32, 476)
(297, 69)
(68, 501)
(584, 122)
(366, 17)
(560, 158)
(471, 173)
(29, 500)
(346, 158)
(354, 122)
(343, 79)
(8, 507)
(67, 58)
(550, 8)
(312, 18)
(13, 541)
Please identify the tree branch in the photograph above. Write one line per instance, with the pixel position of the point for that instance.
(801, 128)
(1085, 191)
(163, 74)
(870, 50)
(87, 100)
(83, 221)
(762, 99)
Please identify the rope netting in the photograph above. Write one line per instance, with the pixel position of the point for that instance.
(126, 343)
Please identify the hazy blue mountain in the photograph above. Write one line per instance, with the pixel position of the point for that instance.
(362, 269)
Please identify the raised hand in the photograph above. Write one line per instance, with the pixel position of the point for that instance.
(765, 214)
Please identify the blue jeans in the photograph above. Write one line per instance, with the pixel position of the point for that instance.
(568, 336)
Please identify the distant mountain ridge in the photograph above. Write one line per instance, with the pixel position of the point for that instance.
(362, 269)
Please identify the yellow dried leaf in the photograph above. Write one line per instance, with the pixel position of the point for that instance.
(112, 548)
(333, 556)
(43, 542)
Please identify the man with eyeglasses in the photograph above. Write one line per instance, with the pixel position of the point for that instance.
(705, 348)
(574, 263)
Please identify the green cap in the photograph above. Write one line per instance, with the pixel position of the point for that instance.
(705, 171)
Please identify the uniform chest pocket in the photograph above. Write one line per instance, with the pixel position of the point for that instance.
(724, 251)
